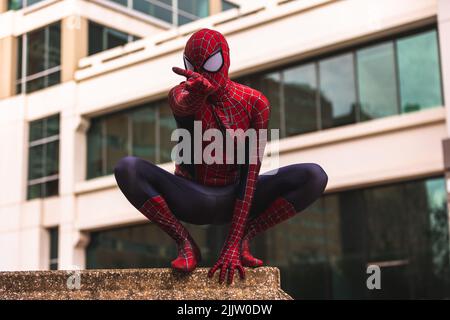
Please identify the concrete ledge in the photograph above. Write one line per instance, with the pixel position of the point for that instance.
(158, 283)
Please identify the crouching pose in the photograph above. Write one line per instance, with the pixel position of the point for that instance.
(219, 192)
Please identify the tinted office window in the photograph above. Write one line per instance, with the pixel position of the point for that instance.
(401, 227)
(377, 83)
(122, 2)
(117, 137)
(419, 71)
(96, 147)
(161, 9)
(19, 4)
(337, 86)
(184, 12)
(192, 10)
(42, 66)
(142, 131)
(387, 78)
(43, 158)
(102, 38)
(300, 98)
(143, 122)
(54, 239)
(166, 126)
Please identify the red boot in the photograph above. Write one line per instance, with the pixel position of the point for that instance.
(279, 211)
(157, 211)
(188, 257)
(247, 259)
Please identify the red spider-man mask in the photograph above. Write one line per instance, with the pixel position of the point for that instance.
(207, 53)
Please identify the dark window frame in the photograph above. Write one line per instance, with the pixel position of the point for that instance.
(42, 142)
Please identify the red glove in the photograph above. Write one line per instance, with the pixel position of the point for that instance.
(195, 82)
(230, 256)
(189, 96)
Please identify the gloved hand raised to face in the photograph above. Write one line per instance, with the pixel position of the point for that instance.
(195, 83)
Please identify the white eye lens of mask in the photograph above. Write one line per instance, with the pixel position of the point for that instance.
(214, 63)
(187, 64)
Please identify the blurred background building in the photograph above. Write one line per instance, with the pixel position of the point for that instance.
(358, 86)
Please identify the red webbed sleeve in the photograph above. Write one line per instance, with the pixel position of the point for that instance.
(250, 171)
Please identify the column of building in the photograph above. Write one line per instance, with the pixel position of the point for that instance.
(72, 242)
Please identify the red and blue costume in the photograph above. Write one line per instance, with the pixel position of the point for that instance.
(217, 193)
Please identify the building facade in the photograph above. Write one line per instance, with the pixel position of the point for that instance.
(357, 86)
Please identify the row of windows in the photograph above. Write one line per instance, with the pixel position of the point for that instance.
(143, 131)
(173, 12)
(387, 78)
(403, 227)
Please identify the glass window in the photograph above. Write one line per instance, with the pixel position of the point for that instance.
(403, 228)
(36, 162)
(190, 10)
(43, 158)
(199, 8)
(377, 81)
(337, 87)
(122, 2)
(144, 133)
(96, 146)
(19, 4)
(269, 85)
(167, 125)
(54, 239)
(43, 59)
(117, 139)
(177, 13)
(300, 98)
(36, 51)
(102, 38)
(96, 43)
(419, 71)
(161, 9)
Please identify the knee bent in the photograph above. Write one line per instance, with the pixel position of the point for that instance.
(126, 167)
(319, 176)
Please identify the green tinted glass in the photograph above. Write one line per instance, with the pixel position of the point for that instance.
(95, 145)
(419, 71)
(377, 81)
(300, 96)
(337, 91)
(144, 132)
(117, 139)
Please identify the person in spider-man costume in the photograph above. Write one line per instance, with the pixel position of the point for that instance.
(217, 193)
